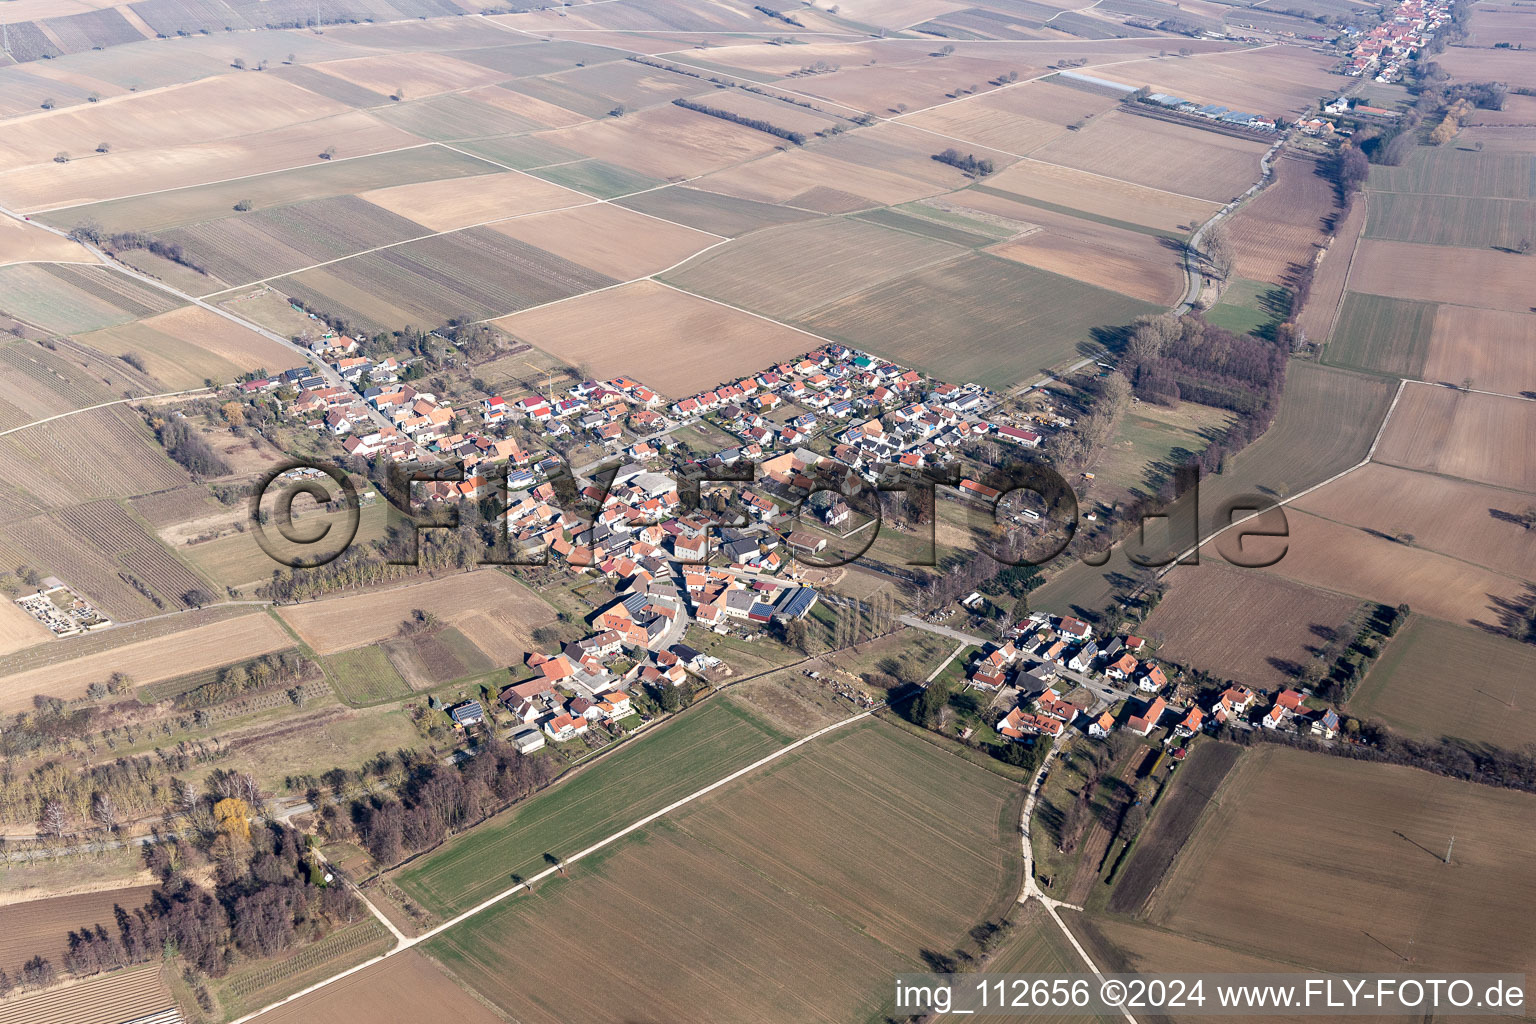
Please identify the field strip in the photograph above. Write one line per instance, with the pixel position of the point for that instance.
(1299, 494)
(1349, 268)
(403, 943)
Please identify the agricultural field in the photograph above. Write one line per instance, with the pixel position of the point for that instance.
(1470, 522)
(724, 887)
(1473, 65)
(138, 171)
(42, 380)
(1469, 221)
(18, 630)
(1365, 563)
(1483, 438)
(1243, 625)
(712, 212)
(251, 986)
(238, 559)
(405, 989)
(1132, 263)
(68, 298)
(21, 242)
(1100, 196)
(470, 274)
(189, 345)
(149, 660)
(1250, 307)
(1347, 835)
(1278, 79)
(453, 117)
(1151, 443)
(447, 205)
(1281, 229)
(1494, 349)
(340, 623)
(438, 657)
(1191, 791)
(425, 74)
(1456, 171)
(609, 239)
(97, 454)
(1421, 686)
(644, 775)
(1045, 318)
(656, 344)
(1158, 154)
(1319, 315)
(245, 247)
(667, 142)
(1382, 334)
(1016, 120)
(760, 272)
(107, 527)
(53, 549)
(1476, 277)
(132, 994)
(42, 927)
(1325, 425)
(181, 207)
(597, 178)
(364, 675)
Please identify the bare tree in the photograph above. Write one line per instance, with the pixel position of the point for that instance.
(1217, 244)
(51, 822)
(104, 810)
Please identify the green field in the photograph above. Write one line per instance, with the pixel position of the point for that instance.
(597, 178)
(643, 776)
(979, 318)
(1151, 442)
(1472, 221)
(67, 298)
(177, 364)
(793, 894)
(1250, 307)
(1435, 679)
(365, 675)
(1452, 171)
(182, 206)
(1378, 333)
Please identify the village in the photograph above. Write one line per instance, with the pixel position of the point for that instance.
(1383, 53)
(743, 552)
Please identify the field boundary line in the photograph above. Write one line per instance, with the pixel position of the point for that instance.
(1349, 268)
(1380, 431)
(105, 405)
(404, 943)
(597, 199)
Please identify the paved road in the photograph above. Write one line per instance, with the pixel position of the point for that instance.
(1194, 275)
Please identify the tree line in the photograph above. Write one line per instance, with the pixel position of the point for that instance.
(798, 138)
(124, 241)
(432, 801)
(1175, 358)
